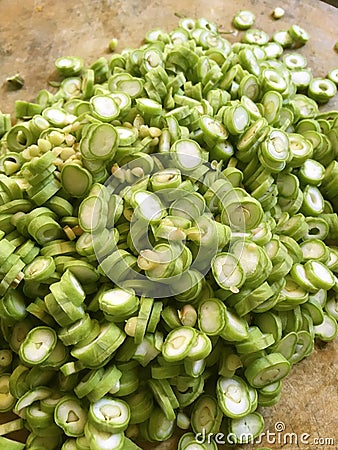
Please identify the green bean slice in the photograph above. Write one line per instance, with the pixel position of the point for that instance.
(233, 396)
(267, 369)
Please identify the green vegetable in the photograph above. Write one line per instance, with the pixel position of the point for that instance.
(168, 239)
(244, 19)
(11, 444)
(322, 89)
(233, 397)
(278, 13)
(70, 416)
(16, 81)
(109, 415)
(244, 430)
(38, 345)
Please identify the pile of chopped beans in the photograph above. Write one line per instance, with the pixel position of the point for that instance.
(168, 248)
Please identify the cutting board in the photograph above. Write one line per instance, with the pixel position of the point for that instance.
(33, 33)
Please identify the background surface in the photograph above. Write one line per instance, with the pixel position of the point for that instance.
(33, 33)
(332, 2)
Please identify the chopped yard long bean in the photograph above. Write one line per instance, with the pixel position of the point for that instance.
(168, 239)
